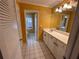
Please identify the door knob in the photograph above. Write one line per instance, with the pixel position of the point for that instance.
(20, 39)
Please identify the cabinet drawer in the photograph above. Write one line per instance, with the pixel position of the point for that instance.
(54, 41)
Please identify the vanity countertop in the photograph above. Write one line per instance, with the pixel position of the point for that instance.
(58, 34)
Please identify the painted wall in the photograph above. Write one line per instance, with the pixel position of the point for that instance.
(56, 19)
(44, 17)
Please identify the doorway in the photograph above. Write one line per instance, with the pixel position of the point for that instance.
(31, 21)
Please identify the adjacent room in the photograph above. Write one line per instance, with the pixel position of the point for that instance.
(31, 18)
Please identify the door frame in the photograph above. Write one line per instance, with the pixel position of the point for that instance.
(71, 51)
(33, 11)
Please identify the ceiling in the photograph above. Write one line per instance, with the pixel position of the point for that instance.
(46, 3)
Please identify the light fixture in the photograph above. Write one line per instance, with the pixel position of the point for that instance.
(61, 7)
(60, 10)
(65, 5)
(69, 6)
(57, 10)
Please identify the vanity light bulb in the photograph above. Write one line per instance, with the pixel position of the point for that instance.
(65, 6)
(69, 7)
(60, 10)
(57, 10)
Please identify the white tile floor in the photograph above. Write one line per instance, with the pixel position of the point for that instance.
(36, 50)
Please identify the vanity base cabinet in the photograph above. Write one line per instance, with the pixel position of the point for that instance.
(60, 50)
(55, 46)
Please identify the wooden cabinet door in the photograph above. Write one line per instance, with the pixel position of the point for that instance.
(53, 46)
(60, 50)
(49, 41)
(45, 37)
(9, 40)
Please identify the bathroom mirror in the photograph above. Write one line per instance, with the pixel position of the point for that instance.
(64, 22)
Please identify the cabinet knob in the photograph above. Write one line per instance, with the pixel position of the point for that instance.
(55, 44)
(44, 34)
(20, 39)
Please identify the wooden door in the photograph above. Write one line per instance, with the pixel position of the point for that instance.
(73, 37)
(75, 52)
(9, 36)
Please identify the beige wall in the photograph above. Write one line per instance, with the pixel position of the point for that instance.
(56, 19)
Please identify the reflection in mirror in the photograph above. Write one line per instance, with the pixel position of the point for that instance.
(64, 22)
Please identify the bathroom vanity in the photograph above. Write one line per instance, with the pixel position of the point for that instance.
(56, 41)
